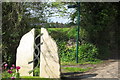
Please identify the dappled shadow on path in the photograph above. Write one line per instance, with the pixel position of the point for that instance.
(76, 75)
(69, 73)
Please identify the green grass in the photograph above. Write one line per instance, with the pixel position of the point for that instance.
(69, 32)
(35, 78)
(76, 69)
(29, 77)
(58, 29)
(73, 63)
(68, 63)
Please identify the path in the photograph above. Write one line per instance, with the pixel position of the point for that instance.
(109, 69)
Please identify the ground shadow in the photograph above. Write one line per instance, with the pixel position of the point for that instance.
(76, 75)
(71, 73)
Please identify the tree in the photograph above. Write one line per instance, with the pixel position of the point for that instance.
(99, 25)
(99, 21)
(17, 20)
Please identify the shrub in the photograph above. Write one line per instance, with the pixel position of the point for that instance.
(67, 54)
(88, 52)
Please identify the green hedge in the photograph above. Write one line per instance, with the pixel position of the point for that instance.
(87, 51)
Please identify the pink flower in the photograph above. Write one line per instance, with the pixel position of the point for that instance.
(11, 67)
(9, 71)
(6, 65)
(0, 68)
(12, 78)
(18, 67)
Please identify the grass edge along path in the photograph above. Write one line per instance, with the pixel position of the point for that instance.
(76, 69)
(73, 63)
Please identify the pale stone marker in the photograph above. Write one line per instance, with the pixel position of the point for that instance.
(25, 54)
(49, 59)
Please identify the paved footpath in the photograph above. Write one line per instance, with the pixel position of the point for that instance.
(109, 71)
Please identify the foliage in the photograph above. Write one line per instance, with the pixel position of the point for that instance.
(13, 27)
(72, 32)
(17, 19)
(99, 20)
(10, 12)
(36, 71)
(12, 73)
(99, 25)
(64, 36)
(66, 54)
(87, 52)
(5, 74)
(61, 32)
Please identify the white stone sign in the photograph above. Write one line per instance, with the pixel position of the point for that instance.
(49, 59)
(25, 54)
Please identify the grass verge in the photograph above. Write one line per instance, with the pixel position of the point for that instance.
(73, 63)
(76, 69)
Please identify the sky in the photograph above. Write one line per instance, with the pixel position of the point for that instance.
(59, 19)
(62, 19)
(56, 18)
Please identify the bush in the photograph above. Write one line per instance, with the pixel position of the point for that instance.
(87, 52)
(63, 51)
(67, 54)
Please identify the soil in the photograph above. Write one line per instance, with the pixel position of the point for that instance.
(106, 69)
